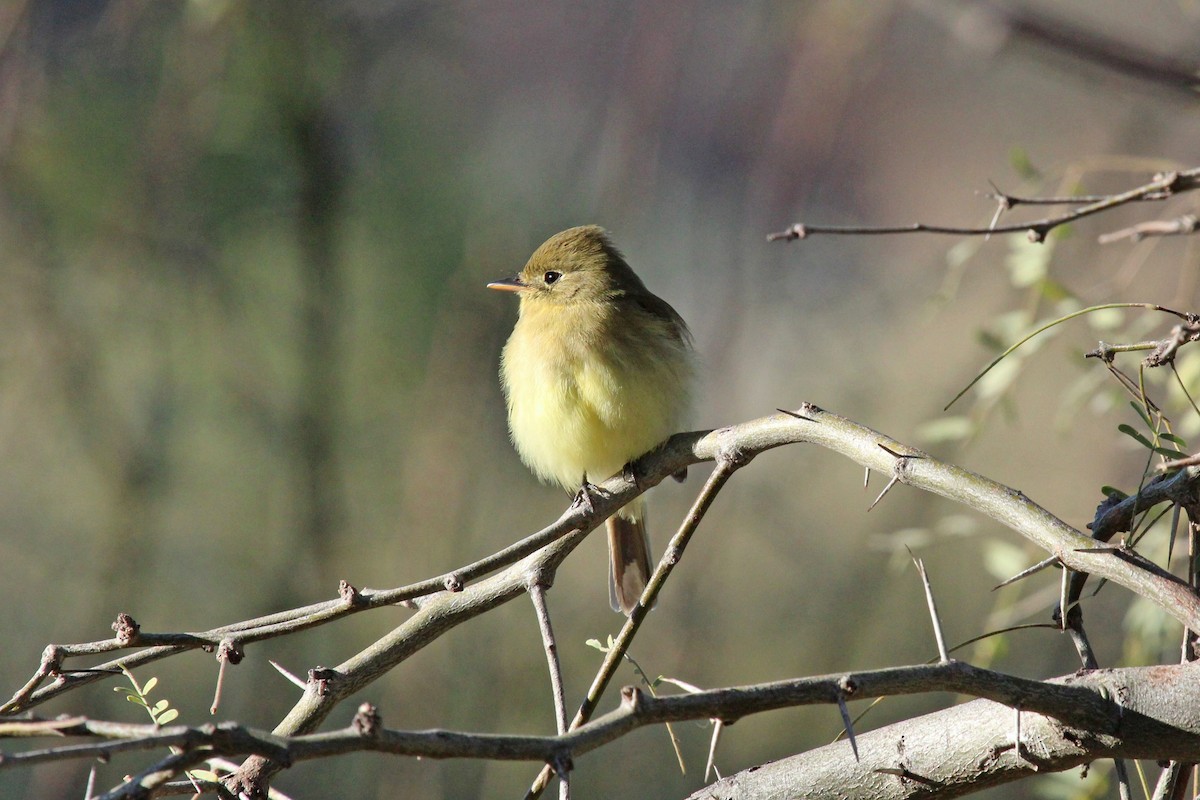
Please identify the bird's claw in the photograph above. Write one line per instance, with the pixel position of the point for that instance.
(583, 498)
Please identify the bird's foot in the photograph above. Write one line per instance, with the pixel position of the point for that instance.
(583, 498)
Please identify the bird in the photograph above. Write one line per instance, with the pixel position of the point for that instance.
(598, 371)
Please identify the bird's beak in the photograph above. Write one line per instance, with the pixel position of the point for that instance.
(513, 284)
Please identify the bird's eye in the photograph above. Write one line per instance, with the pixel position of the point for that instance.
(552, 276)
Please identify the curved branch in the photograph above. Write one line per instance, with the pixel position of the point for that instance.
(971, 747)
(733, 445)
(1143, 712)
(809, 424)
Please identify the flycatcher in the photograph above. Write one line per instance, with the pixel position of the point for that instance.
(597, 372)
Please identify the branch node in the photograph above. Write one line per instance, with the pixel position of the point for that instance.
(453, 582)
(127, 630)
(733, 456)
(1171, 181)
(632, 698)
(367, 722)
(349, 594)
(1104, 351)
(52, 660)
(562, 764)
(230, 650)
(797, 231)
(321, 678)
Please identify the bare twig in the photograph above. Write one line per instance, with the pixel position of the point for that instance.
(1160, 187)
(729, 460)
(537, 593)
(1180, 226)
(1082, 701)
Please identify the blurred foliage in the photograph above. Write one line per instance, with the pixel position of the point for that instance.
(245, 349)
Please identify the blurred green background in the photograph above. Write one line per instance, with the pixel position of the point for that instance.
(246, 350)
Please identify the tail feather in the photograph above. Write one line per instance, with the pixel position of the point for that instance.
(629, 557)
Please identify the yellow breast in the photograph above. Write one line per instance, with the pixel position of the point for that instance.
(587, 394)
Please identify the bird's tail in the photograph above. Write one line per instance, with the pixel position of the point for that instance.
(629, 558)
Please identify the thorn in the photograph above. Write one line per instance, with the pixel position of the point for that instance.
(228, 652)
(886, 489)
(718, 726)
(212, 710)
(1017, 735)
(866, 478)
(795, 414)
(933, 613)
(848, 724)
(1174, 530)
(1000, 205)
(287, 674)
(1025, 573)
(1062, 599)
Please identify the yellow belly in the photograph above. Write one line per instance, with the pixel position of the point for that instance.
(576, 410)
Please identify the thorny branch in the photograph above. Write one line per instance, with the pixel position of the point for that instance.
(1161, 187)
(732, 447)
(1083, 702)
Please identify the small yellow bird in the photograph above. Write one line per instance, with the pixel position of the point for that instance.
(597, 372)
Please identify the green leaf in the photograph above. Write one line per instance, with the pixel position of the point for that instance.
(1170, 452)
(946, 429)
(1129, 431)
(1113, 492)
(150, 684)
(1141, 412)
(595, 643)
(1055, 292)
(997, 381)
(204, 775)
(990, 340)
(1170, 437)
(1018, 159)
(159, 707)
(1028, 262)
(960, 253)
(169, 716)
(1107, 320)
(1003, 560)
